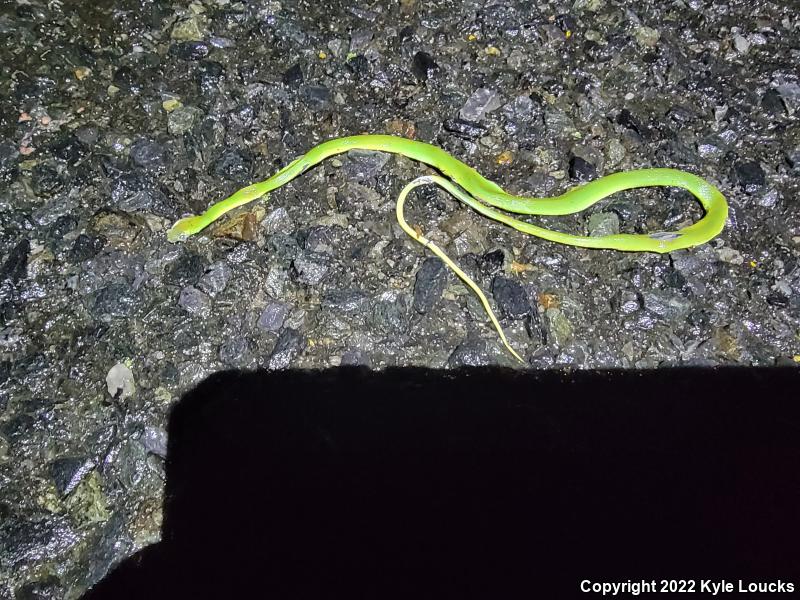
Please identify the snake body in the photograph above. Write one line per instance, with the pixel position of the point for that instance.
(489, 199)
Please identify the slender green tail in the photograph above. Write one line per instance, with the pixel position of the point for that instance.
(489, 199)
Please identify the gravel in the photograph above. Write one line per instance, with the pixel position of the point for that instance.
(116, 121)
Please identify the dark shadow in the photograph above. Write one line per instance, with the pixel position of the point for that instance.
(480, 483)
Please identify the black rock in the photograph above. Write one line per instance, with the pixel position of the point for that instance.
(87, 135)
(492, 262)
(234, 165)
(471, 353)
(750, 175)
(61, 226)
(209, 72)
(86, 247)
(429, 284)
(187, 269)
(126, 79)
(9, 156)
(346, 301)
(283, 246)
(772, 103)
(464, 129)
(235, 352)
(67, 472)
(148, 154)
(15, 268)
(316, 96)
(423, 66)
(581, 169)
(190, 50)
(274, 316)
(45, 179)
(390, 315)
(116, 300)
(510, 297)
(289, 346)
(293, 75)
(310, 268)
(358, 65)
(69, 149)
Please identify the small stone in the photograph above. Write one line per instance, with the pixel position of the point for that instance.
(581, 169)
(310, 268)
(603, 223)
(355, 358)
(182, 119)
(8, 157)
(559, 326)
(187, 268)
(390, 313)
(480, 103)
(772, 103)
(278, 221)
(194, 301)
(510, 297)
(647, 37)
(290, 345)
(363, 165)
(148, 154)
(294, 75)
(741, 44)
(15, 267)
(85, 247)
(215, 279)
(116, 300)
(429, 285)
(750, 175)
(67, 472)
(423, 66)
(274, 315)
(615, 152)
(471, 353)
(316, 96)
(464, 129)
(190, 50)
(346, 301)
(155, 441)
(119, 381)
(234, 165)
(235, 352)
(189, 29)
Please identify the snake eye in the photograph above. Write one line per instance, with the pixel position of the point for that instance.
(665, 236)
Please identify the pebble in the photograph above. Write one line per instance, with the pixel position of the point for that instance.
(278, 221)
(15, 267)
(363, 165)
(390, 313)
(559, 326)
(290, 345)
(235, 352)
(187, 268)
(581, 170)
(423, 66)
(473, 352)
(119, 381)
(429, 285)
(647, 37)
(8, 157)
(182, 119)
(603, 223)
(190, 50)
(115, 300)
(189, 28)
(464, 129)
(154, 440)
(234, 165)
(510, 297)
(772, 103)
(273, 316)
(194, 301)
(741, 44)
(293, 75)
(310, 268)
(148, 154)
(68, 471)
(316, 96)
(215, 279)
(750, 175)
(346, 301)
(85, 247)
(479, 104)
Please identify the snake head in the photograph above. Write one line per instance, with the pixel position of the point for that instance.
(181, 230)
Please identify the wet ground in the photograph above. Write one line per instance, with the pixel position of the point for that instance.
(117, 118)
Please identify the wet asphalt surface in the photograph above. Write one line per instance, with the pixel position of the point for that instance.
(117, 118)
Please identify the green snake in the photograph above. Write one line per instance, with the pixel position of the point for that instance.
(486, 197)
